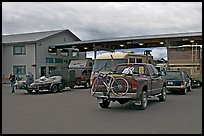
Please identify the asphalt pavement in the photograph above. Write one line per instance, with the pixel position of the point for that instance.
(75, 111)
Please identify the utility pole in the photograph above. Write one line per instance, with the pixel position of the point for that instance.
(95, 50)
(167, 49)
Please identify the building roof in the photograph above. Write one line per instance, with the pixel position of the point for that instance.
(30, 37)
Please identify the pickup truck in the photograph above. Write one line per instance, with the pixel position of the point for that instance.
(143, 82)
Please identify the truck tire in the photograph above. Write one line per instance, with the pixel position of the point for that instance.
(143, 101)
(163, 95)
(53, 88)
(60, 87)
(104, 104)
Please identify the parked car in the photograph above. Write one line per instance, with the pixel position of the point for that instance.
(143, 82)
(178, 80)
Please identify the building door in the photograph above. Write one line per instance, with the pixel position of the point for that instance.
(43, 71)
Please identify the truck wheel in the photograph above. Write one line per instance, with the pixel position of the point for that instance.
(60, 87)
(162, 97)
(54, 88)
(104, 104)
(143, 101)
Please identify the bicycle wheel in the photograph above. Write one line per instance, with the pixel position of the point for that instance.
(94, 86)
(119, 86)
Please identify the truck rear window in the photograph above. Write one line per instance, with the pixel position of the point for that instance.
(138, 69)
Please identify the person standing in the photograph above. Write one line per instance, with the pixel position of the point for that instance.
(12, 79)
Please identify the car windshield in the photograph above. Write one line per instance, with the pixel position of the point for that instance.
(173, 75)
(104, 65)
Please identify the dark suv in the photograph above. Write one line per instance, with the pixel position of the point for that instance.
(178, 80)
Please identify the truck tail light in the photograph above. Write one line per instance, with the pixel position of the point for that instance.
(134, 84)
(182, 83)
(92, 82)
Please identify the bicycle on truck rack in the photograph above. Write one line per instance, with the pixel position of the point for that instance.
(117, 85)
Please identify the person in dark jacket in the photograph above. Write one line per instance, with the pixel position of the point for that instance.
(12, 79)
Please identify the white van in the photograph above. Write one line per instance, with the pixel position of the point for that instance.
(82, 68)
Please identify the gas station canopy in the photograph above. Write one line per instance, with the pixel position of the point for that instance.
(162, 40)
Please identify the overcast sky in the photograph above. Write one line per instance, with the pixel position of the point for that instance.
(102, 20)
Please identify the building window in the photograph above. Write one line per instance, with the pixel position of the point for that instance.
(139, 60)
(19, 50)
(52, 51)
(49, 60)
(131, 60)
(19, 70)
(52, 68)
(64, 52)
(75, 54)
(58, 60)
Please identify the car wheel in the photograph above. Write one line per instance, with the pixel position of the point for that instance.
(104, 104)
(184, 91)
(189, 88)
(143, 101)
(163, 95)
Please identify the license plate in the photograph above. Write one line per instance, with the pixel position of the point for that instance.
(170, 83)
